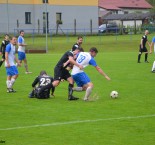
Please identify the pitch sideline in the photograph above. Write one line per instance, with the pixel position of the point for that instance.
(78, 121)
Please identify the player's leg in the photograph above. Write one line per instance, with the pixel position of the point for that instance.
(31, 94)
(70, 89)
(3, 59)
(146, 54)
(8, 80)
(57, 76)
(14, 77)
(140, 53)
(89, 87)
(78, 89)
(1, 62)
(26, 65)
(153, 67)
(44, 91)
(83, 83)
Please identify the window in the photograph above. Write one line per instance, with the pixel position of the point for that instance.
(58, 18)
(27, 17)
(45, 1)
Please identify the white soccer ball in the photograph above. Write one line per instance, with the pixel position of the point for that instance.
(114, 94)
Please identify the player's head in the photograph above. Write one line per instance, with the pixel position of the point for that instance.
(6, 37)
(77, 50)
(80, 40)
(146, 32)
(13, 40)
(93, 51)
(43, 72)
(21, 32)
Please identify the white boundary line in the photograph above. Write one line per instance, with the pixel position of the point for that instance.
(78, 121)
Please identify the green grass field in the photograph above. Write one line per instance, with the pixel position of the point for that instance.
(127, 120)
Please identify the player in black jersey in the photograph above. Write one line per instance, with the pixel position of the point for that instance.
(142, 47)
(78, 43)
(2, 49)
(61, 71)
(44, 82)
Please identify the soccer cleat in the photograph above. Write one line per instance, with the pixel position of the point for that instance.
(27, 72)
(70, 98)
(138, 62)
(10, 90)
(146, 61)
(86, 99)
(153, 71)
(31, 95)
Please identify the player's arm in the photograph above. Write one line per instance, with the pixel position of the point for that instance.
(151, 45)
(72, 61)
(20, 42)
(8, 48)
(141, 43)
(6, 59)
(66, 63)
(35, 82)
(2, 47)
(52, 90)
(102, 72)
(17, 61)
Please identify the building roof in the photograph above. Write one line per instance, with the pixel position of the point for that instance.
(118, 4)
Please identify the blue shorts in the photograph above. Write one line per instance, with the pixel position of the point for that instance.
(81, 79)
(21, 55)
(11, 71)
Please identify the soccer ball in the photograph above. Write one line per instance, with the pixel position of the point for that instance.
(114, 94)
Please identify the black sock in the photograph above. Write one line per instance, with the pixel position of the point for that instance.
(146, 54)
(1, 62)
(139, 56)
(70, 89)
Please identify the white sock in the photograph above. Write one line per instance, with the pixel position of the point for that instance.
(8, 83)
(153, 67)
(12, 82)
(78, 89)
(88, 92)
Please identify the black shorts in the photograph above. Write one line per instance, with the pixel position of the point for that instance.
(41, 94)
(144, 49)
(61, 73)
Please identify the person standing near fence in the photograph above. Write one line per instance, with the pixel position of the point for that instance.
(142, 47)
(78, 43)
(11, 69)
(5, 42)
(21, 51)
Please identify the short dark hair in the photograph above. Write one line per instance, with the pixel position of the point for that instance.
(7, 35)
(11, 37)
(93, 49)
(21, 31)
(81, 49)
(43, 72)
(80, 37)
